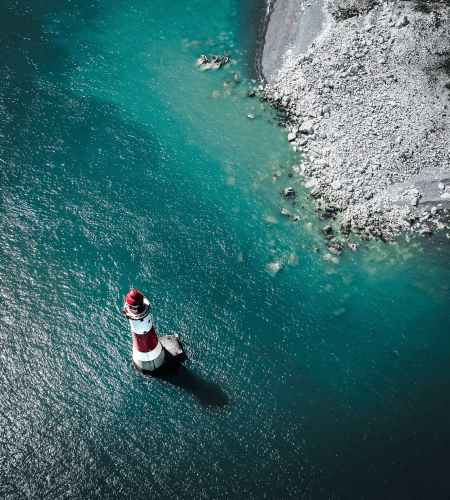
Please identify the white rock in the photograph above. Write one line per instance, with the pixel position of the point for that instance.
(445, 196)
(307, 127)
(336, 184)
(292, 137)
(441, 185)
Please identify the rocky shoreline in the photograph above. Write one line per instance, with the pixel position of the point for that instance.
(368, 107)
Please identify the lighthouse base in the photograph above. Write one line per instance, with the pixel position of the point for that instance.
(171, 355)
(173, 347)
(149, 361)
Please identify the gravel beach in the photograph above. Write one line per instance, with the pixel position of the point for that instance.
(366, 96)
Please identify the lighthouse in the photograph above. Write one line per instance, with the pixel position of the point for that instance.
(148, 352)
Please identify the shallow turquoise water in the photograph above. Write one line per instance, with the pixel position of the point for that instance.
(124, 165)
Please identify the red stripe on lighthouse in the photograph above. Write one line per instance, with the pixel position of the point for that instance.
(145, 342)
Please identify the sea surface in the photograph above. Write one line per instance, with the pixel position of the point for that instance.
(122, 165)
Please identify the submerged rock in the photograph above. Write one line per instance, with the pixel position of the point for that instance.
(327, 230)
(274, 267)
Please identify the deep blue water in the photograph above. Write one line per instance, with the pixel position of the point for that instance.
(123, 165)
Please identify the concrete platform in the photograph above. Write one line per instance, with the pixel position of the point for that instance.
(173, 347)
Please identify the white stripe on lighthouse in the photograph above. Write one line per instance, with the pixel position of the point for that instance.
(143, 326)
(148, 356)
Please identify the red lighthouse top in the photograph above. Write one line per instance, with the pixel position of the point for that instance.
(134, 298)
(136, 305)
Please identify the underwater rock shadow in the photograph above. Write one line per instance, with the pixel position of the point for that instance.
(208, 393)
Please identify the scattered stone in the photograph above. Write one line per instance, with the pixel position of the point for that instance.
(288, 192)
(335, 248)
(202, 60)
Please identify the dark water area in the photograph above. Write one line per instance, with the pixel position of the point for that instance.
(123, 165)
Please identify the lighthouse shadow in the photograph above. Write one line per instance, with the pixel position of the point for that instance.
(208, 393)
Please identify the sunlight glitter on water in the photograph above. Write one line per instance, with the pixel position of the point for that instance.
(130, 167)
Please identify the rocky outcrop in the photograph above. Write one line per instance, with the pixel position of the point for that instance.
(368, 106)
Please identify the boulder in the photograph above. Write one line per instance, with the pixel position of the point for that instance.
(426, 232)
(336, 184)
(327, 230)
(409, 219)
(335, 248)
(288, 192)
(307, 128)
(402, 21)
(316, 193)
(285, 211)
(202, 60)
(251, 93)
(332, 208)
(292, 137)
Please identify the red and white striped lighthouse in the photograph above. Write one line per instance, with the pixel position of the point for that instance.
(148, 352)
